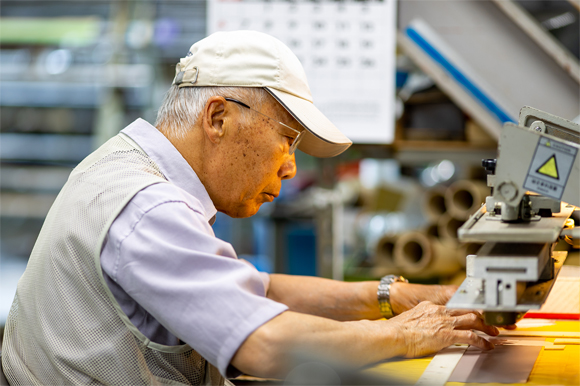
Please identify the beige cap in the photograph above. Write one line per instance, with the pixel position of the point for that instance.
(255, 59)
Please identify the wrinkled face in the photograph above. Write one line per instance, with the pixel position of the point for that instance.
(254, 157)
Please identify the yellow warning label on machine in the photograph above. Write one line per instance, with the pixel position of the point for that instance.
(549, 168)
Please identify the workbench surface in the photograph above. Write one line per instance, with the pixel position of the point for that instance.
(552, 367)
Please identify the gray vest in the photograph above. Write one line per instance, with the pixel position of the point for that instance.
(65, 326)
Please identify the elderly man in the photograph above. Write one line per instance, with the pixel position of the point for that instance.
(127, 283)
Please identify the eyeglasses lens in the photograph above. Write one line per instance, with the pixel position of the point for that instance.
(294, 145)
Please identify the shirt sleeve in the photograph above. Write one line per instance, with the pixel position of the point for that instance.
(169, 261)
(263, 275)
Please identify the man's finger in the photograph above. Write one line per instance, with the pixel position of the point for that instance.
(455, 312)
(470, 337)
(474, 321)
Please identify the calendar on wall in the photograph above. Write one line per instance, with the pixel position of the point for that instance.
(347, 49)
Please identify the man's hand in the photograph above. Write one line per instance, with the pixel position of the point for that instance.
(427, 328)
(405, 296)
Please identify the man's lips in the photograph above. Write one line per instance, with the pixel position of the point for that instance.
(271, 196)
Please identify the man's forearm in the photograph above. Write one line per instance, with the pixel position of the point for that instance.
(349, 301)
(327, 298)
(271, 351)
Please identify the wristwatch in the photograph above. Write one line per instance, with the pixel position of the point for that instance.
(384, 294)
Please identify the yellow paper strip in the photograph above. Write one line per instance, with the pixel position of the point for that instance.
(551, 334)
(566, 341)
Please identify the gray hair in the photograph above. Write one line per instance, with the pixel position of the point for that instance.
(181, 107)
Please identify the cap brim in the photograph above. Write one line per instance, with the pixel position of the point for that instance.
(322, 139)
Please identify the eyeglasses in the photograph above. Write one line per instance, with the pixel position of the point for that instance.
(295, 140)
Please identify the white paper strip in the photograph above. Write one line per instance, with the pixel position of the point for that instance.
(442, 365)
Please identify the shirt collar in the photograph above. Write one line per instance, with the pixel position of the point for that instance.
(172, 164)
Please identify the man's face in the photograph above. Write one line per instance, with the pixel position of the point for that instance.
(254, 159)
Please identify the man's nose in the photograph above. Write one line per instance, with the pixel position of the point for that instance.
(288, 168)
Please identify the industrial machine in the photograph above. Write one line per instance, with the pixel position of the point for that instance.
(535, 185)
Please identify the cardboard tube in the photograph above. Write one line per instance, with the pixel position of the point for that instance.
(464, 197)
(432, 230)
(434, 203)
(422, 256)
(384, 260)
(448, 226)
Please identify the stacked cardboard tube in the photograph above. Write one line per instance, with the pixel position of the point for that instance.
(384, 259)
(420, 255)
(434, 251)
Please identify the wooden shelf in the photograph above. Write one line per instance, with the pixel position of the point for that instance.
(462, 152)
(441, 145)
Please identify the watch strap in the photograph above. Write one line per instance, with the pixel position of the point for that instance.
(384, 294)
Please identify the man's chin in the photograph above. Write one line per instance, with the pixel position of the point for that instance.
(244, 212)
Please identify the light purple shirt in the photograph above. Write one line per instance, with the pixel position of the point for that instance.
(172, 277)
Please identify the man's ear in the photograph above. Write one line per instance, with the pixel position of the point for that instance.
(213, 118)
